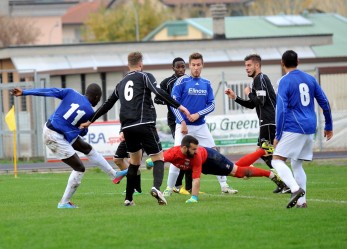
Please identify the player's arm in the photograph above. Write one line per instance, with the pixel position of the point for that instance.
(281, 109)
(210, 104)
(157, 99)
(324, 104)
(44, 92)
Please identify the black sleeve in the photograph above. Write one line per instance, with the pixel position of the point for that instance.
(106, 106)
(246, 103)
(157, 99)
(162, 94)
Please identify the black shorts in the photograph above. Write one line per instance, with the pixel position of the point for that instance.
(267, 132)
(122, 151)
(142, 137)
(216, 164)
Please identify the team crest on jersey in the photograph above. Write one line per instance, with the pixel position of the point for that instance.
(227, 166)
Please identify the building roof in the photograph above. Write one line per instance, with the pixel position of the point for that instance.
(278, 26)
(79, 13)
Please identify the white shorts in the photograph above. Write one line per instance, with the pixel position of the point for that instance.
(56, 142)
(200, 132)
(295, 146)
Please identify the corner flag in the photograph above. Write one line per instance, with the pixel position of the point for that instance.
(11, 119)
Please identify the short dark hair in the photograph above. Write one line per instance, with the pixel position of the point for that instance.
(188, 139)
(253, 57)
(290, 59)
(134, 58)
(177, 59)
(196, 56)
(93, 90)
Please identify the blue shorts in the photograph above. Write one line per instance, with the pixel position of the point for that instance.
(216, 164)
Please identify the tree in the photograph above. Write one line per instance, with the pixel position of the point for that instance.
(119, 24)
(17, 31)
(295, 7)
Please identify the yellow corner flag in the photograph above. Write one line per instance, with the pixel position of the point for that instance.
(11, 119)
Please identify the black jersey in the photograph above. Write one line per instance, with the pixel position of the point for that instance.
(167, 85)
(263, 98)
(134, 94)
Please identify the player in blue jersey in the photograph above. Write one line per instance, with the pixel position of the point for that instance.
(196, 94)
(296, 124)
(62, 135)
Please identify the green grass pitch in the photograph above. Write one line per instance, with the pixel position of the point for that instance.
(253, 218)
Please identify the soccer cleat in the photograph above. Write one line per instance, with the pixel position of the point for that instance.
(159, 196)
(129, 203)
(119, 176)
(269, 148)
(183, 191)
(285, 190)
(176, 190)
(304, 205)
(228, 190)
(278, 181)
(295, 197)
(149, 163)
(168, 192)
(67, 205)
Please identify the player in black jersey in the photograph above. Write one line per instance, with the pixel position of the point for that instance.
(179, 67)
(138, 117)
(262, 97)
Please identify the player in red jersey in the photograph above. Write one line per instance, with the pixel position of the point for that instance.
(210, 162)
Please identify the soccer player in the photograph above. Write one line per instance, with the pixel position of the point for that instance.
(296, 124)
(179, 67)
(196, 94)
(138, 117)
(62, 135)
(210, 162)
(262, 97)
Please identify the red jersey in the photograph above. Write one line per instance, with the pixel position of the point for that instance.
(175, 156)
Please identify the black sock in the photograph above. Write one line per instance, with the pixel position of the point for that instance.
(138, 181)
(180, 178)
(267, 160)
(158, 173)
(189, 179)
(131, 181)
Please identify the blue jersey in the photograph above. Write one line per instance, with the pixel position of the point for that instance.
(196, 95)
(73, 110)
(295, 104)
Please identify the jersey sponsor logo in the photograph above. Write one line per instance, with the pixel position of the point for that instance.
(193, 91)
(261, 93)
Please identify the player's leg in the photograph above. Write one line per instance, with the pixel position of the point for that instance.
(267, 133)
(173, 171)
(63, 150)
(290, 146)
(151, 144)
(298, 170)
(96, 158)
(205, 139)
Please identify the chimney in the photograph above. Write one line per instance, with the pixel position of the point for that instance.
(218, 12)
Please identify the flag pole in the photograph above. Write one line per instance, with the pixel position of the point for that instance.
(15, 153)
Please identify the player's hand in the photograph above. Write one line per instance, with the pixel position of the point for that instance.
(121, 137)
(16, 92)
(85, 125)
(231, 94)
(194, 117)
(192, 199)
(184, 128)
(275, 143)
(149, 163)
(328, 134)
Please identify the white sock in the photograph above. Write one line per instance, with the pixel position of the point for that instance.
(72, 185)
(222, 181)
(99, 160)
(286, 174)
(300, 177)
(173, 174)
